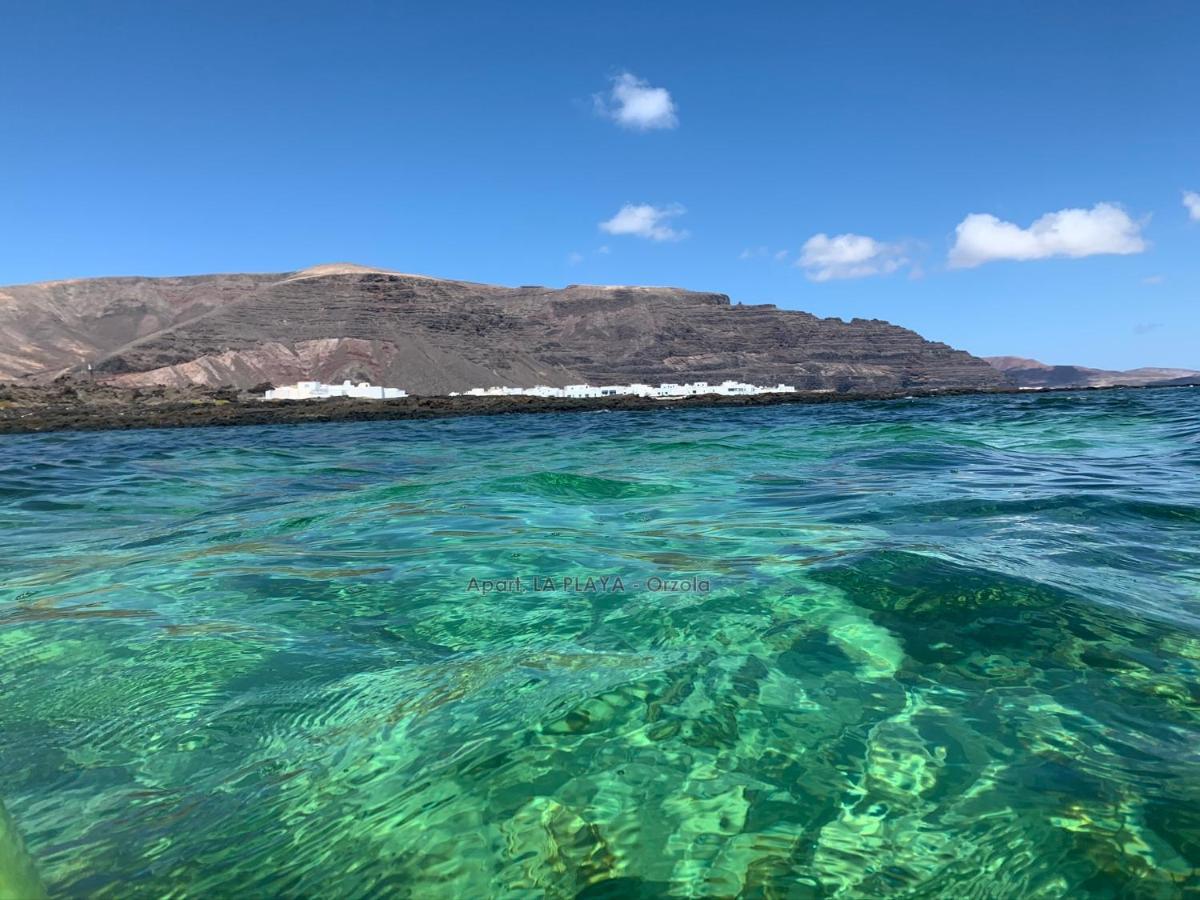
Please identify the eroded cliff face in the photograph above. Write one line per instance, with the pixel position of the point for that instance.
(432, 336)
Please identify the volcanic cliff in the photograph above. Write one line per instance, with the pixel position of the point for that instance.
(432, 336)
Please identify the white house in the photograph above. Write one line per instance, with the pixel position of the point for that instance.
(315, 390)
(665, 391)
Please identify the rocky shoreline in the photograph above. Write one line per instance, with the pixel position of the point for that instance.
(79, 405)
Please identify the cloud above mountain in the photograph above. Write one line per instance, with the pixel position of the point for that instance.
(1103, 229)
(825, 258)
(1191, 200)
(634, 104)
(646, 221)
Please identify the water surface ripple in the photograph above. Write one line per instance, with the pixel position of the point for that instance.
(928, 648)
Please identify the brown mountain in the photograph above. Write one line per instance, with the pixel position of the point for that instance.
(431, 336)
(1031, 373)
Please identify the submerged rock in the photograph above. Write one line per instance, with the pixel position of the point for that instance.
(18, 876)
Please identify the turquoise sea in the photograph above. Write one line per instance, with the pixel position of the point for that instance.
(926, 648)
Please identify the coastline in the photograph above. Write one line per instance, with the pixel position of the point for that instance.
(81, 406)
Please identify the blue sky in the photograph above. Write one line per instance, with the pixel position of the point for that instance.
(817, 156)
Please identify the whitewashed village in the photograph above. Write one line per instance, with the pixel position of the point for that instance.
(315, 390)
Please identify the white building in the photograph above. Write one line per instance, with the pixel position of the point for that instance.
(315, 390)
(665, 391)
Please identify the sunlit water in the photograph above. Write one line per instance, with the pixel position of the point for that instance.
(927, 648)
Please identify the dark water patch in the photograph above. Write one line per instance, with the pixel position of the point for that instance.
(393, 492)
(55, 613)
(297, 523)
(913, 460)
(924, 588)
(1062, 507)
(570, 486)
(48, 505)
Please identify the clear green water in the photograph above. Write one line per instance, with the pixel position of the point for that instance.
(947, 648)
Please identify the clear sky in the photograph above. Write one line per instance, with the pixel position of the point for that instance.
(1008, 177)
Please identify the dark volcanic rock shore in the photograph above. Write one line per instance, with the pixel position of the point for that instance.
(71, 404)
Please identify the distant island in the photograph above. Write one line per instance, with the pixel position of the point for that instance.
(204, 350)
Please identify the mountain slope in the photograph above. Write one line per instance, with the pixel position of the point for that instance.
(431, 335)
(1031, 373)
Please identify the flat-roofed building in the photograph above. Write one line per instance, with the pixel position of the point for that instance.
(315, 390)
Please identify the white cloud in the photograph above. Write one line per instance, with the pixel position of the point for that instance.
(574, 258)
(1192, 201)
(603, 248)
(781, 255)
(1154, 279)
(633, 103)
(1105, 228)
(826, 258)
(646, 221)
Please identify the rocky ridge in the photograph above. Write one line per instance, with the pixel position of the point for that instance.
(432, 336)
(1030, 373)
